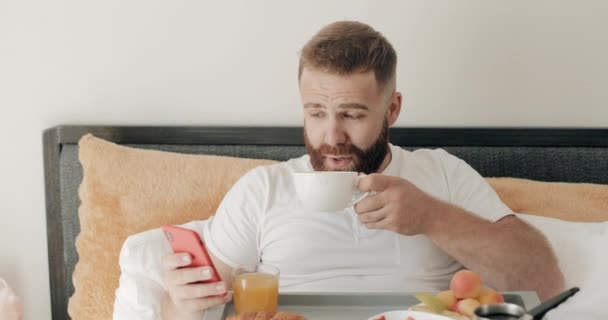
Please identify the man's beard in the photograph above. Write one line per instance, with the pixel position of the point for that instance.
(366, 161)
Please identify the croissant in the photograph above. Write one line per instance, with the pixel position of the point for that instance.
(263, 315)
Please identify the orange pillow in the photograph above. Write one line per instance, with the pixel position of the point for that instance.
(580, 202)
(126, 191)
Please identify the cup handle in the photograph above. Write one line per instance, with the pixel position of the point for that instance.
(359, 196)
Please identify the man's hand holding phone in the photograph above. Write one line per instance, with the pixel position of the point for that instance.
(191, 281)
(185, 288)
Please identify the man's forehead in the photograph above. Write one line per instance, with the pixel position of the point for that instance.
(325, 80)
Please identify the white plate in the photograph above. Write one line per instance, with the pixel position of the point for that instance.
(403, 314)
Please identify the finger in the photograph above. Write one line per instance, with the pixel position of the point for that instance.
(198, 290)
(373, 182)
(376, 225)
(188, 275)
(389, 222)
(372, 217)
(370, 203)
(384, 223)
(200, 304)
(176, 260)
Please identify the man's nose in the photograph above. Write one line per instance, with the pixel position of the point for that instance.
(335, 134)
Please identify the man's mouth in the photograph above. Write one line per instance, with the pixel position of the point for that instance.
(338, 161)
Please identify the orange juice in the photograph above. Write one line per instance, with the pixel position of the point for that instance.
(255, 292)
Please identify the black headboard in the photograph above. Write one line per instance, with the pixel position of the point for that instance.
(549, 154)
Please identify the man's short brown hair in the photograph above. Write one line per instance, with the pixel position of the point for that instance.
(345, 47)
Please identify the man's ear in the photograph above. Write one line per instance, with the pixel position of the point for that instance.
(394, 108)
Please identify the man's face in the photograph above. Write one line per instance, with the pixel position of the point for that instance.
(346, 120)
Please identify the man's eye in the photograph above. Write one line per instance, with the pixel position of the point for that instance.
(353, 116)
(317, 115)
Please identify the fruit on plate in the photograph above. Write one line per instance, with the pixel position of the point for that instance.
(431, 301)
(489, 296)
(466, 284)
(465, 295)
(447, 298)
(467, 306)
(445, 313)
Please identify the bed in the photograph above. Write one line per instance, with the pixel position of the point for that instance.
(544, 154)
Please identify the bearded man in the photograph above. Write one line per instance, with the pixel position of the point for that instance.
(429, 213)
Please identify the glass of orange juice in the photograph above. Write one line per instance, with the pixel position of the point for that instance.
(255, 288)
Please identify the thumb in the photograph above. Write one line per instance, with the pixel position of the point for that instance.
(360, 176)
(373, 182)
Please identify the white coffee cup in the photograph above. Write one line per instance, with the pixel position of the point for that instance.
(328, 191)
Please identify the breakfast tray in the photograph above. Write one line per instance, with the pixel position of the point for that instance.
(320, 306)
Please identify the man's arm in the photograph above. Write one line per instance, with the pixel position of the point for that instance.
(507, 254)
(230, 239)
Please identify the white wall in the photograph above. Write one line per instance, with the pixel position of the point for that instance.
(462, 63)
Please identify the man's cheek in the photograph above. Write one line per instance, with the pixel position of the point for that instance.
(314, 139)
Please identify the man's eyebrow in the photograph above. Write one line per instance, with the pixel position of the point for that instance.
(312, 105)
(353, 105)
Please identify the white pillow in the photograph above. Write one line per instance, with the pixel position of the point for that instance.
(582, 251)
(141, 287)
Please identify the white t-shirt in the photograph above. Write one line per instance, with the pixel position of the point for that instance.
(261, 219)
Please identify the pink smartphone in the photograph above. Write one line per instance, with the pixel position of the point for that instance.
(186, 240)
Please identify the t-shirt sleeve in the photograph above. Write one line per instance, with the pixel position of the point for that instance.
(232, 233)
(140, 289)
(470, 191)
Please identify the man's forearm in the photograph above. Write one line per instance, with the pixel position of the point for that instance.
(508, 254)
